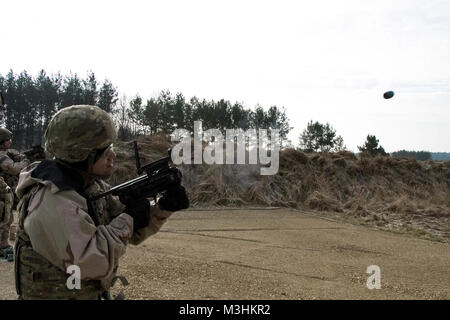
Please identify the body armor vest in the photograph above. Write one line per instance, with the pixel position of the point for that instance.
(36, 277)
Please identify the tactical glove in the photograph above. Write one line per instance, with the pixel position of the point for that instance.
(174, 199)
(139, 210)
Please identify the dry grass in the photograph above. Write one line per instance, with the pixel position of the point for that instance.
(381, 190)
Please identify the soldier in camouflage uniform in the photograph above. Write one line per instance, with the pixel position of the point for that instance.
(59, 228)
(6, 218)
(11, 163)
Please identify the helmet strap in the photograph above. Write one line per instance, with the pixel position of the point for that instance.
(90, 161)
(84, 168)
(94, 155)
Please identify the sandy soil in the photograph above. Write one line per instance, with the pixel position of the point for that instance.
(275, 254)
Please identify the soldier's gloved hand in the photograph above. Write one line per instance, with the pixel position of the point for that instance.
(174, 199)
(139, 210)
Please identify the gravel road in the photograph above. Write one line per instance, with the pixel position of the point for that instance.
(275, 254)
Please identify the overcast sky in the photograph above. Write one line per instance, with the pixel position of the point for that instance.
(323, 60)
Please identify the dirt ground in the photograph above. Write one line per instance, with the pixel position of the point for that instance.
(275, 254)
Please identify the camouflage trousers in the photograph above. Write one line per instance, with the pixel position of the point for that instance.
(4, 234)
(5, 221)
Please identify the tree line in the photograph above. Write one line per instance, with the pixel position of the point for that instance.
(418, 155)
(440, 156)
(318, 137)
(167, 112)
(32, 101)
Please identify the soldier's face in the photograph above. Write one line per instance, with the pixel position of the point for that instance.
(7, 144)
(104, 166)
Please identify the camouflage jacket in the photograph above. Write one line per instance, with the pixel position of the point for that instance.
(58, 225)
(11, 163)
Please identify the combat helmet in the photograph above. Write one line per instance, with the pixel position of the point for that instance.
(77, 131)
(5, 135)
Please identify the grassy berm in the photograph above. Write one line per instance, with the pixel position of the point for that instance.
(401, 195)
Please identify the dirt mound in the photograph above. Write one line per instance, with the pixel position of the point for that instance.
(381, 191)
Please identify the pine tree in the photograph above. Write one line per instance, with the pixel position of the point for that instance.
(318, 137)
(107, 97)
(72, 91)
(371, 146)
(47, 90)
(90, 93)
(152, 115)
(135, 112)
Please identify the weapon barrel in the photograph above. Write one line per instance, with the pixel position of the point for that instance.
(115, 190)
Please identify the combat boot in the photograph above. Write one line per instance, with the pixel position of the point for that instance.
(6, 252)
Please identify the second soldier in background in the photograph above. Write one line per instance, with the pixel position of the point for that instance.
(11, 163)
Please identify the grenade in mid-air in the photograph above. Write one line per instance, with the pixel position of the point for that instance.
(388, 94)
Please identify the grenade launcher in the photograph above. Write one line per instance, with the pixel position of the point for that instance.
(158, 176)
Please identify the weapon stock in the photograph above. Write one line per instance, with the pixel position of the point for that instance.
(35, 153)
